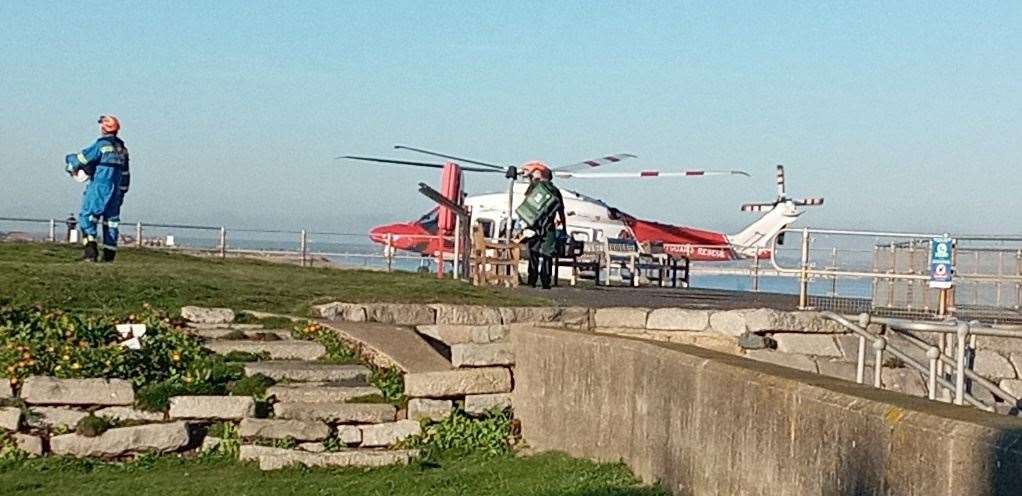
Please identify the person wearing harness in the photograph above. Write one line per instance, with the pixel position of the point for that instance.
(543, 245)
(104, 165)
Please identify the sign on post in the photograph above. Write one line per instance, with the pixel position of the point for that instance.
(942, 251)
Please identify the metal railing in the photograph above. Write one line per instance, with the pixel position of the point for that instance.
(950, 360)
(301, 246)
(916, 275)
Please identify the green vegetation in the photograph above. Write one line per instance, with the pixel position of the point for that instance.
(253, 385)
(93, 426)
(35, 273)
(460, 435)
(337, 351)
(541, 475)
(390, 382)
(36, 341)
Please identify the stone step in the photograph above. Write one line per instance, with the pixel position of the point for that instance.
(299, 430)
(338, 413)
(389, 345)
(278, 458)
(256, 334)
(319, 393)
(281, 370)
(277, 350)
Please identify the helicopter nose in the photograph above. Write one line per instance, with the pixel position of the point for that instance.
(379, 234)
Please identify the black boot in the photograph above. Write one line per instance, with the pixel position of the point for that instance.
(108, 255)
(91, 252)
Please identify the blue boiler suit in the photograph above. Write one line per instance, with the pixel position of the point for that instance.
(106, 163)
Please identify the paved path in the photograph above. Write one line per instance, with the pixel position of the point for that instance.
(400, 345)
(663, 297)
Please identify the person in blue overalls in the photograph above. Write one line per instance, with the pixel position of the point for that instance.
(104, 164)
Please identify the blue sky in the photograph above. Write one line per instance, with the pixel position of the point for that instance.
(904, 116)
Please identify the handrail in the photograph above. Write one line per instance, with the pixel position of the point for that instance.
(962, 330)
(880, 345)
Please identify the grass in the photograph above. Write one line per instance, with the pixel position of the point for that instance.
(37, 273)
(541, 475)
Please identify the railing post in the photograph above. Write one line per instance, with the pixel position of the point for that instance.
(962, 333)
(933, 353)
(755, 271)
(223, 242)
(803, 292)
(302, 247)
(456, 268)
(388, 252)
(53, 231)
(138, 234)
(860, 365)
(878, 364)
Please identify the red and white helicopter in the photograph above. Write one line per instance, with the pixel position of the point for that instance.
(588, 219)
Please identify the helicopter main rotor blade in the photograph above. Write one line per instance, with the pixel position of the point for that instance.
(452, 157)
(581, 166)
(408, 162)
(648, 174)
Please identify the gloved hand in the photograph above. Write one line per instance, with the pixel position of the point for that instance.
(69, 162)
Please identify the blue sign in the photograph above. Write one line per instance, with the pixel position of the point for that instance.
(942, 251)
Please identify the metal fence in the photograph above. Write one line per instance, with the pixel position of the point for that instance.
(302, 247)
(988, 275)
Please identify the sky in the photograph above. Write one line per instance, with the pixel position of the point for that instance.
(903, 115)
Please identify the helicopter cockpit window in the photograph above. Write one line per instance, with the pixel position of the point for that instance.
(598, 234)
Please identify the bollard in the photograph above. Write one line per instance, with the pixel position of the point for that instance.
(302, 248)
(138, 234)
(223, 242)
(860, 366)
(388, 252)
(53, 231)
(878, 365)
(933, 353)
(962, 333)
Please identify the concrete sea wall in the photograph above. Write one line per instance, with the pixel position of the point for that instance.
(709, 423)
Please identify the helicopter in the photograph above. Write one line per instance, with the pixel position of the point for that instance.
(589, 219)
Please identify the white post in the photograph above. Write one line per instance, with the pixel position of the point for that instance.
(302, 248)
(388, 252)
(53, 231)
(963, 332)
(803, 292)
(138, 234)
(223, 242)
(878, 363)
(933, 353)
(860, 366)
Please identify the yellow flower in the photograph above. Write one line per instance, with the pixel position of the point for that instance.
(14, 380)
(75, 366)
(65, 357)
(56, 368)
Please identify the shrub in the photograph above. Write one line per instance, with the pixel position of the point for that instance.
(390, 382)
(245, 356)
(459, 434)
(35, 341)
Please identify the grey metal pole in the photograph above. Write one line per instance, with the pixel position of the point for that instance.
(962, 334)
(510, 207)
(755, 272)
(933, 353)
(223, 242)
(138, 234)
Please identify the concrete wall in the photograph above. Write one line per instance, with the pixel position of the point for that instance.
(707, 423)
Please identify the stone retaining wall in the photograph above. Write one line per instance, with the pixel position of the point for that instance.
(800, 340)
(707, 423)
